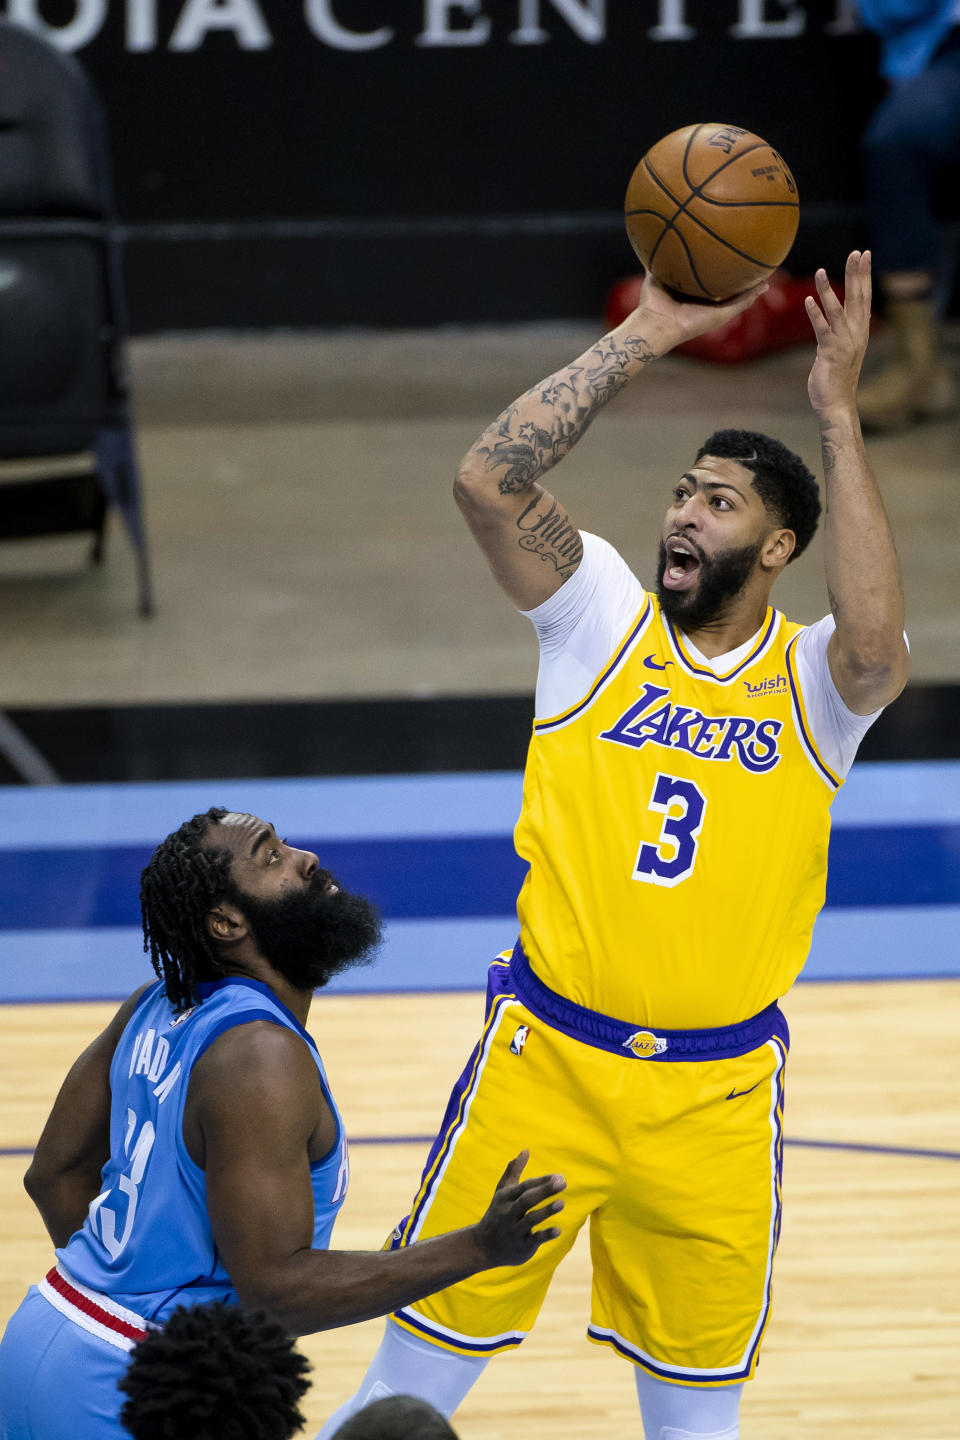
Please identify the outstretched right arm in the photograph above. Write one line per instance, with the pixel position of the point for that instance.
(255, 1101)
(530, 542)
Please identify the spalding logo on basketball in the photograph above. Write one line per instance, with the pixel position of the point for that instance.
(711, 210)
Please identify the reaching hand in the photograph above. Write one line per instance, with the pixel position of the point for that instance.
(693, 317)
(505, 1232)
(842, 333)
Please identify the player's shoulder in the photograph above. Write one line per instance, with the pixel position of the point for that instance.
(604, 577)
(259, 1035)
(603, 556)
(254, 1089)
(254, 1060)
(807, 639)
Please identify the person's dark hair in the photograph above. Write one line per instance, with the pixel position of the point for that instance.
(214, 1372)
(784, 484)
(183, 880)
(399, 1417)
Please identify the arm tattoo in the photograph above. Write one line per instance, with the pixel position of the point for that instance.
(829, 450)
(549, 534)
(523, 450)
(834, 605)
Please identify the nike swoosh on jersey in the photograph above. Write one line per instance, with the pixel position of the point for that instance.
(735, 1094)
(652, 664)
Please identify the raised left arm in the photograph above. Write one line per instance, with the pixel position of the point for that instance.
(868, 656)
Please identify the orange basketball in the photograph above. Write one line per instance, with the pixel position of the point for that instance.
(711, 210)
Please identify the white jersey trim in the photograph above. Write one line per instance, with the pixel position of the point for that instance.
(89, 1322)
(455, 1337)
(637, 631)
(724, 669)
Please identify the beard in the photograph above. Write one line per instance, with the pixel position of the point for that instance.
(311, 935)
(721, 577)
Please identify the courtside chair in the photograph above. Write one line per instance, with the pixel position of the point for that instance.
(67, 446)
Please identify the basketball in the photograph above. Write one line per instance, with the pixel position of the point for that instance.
(711, 210)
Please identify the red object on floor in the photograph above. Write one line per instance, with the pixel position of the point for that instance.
(774, 322)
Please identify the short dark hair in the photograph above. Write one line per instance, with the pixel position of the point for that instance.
(215, 1372)
(399, 1417)
(784, 484)
(181, 883)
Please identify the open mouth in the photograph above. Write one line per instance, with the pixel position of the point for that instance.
(683, 564)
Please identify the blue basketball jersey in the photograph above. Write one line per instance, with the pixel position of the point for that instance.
(147, 1241)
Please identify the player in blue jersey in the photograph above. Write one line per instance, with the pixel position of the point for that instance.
(195, 1153)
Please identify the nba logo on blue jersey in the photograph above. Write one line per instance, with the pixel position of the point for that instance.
(520, 1039)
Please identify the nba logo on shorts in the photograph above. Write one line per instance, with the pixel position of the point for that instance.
(644, 1043)
(520, 1039)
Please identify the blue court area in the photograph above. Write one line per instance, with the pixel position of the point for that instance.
(436, 853)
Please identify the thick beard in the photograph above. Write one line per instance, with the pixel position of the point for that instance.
(722, 576)
(311, 935)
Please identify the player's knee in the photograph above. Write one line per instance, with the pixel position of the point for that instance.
(407, 1364)
(369, 1394)
(688, 1412)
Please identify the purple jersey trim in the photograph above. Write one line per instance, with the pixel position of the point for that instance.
(685, 1377)
(461, 1342)
(603, 1031)
(556, 722)
(703, 674)
(805, 739)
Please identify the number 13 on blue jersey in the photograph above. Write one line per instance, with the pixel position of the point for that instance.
(672, 858)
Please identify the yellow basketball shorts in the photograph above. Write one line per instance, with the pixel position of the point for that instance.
(671, 1145)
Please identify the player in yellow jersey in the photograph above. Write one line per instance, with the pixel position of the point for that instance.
(686, 748)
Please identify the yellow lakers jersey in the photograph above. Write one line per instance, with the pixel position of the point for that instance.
(676, 825)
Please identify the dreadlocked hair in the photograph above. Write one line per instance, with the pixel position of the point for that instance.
(215, 1372)
(182, 882)
(784, 484)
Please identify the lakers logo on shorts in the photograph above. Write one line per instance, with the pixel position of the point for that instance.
(644, 1043)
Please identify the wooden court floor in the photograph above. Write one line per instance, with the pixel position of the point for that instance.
(865, 1337)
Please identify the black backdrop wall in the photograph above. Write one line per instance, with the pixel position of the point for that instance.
(331, 162)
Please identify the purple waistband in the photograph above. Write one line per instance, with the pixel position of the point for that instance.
(645, 1042)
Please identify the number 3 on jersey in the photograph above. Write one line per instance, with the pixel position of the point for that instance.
(672, 858)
